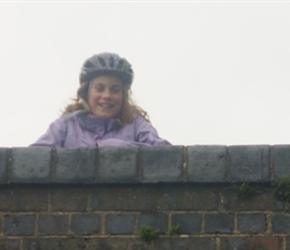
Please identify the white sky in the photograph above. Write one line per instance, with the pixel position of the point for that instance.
(212, 72)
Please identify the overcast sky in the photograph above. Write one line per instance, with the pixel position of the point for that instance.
(211, 72)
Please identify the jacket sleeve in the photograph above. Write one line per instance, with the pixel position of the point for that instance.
(54, 136)
(145, 135)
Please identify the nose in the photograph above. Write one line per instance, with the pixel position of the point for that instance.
(107, 94)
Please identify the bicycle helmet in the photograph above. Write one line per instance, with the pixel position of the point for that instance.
(107, 64)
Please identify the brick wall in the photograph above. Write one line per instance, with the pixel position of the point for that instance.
(94, 199)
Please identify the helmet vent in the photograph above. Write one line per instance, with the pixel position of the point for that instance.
(111, 61)
(102, 61)
(120, 64)
(89, 65)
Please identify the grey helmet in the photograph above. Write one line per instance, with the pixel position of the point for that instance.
(107, 64)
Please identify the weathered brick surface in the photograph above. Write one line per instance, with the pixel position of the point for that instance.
(9, 244)
(3, 165)
(120, 223)
(55, 244)
(102, 205)
(252, 223)
(219, 223)
(75, 165)
(207, 163)
(118, 165)
(261, 200)
(281, 160)
(143, 198)
(112, 243)
(250, 163)
(162, 164)
(16, 225)
(53, 225)
(188, 223)
(23, 199)
(69, 199)
(30, 166)
(156, 220)
(85, 224)
(251, 243)
(281, 223)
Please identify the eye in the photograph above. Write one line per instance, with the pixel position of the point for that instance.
(99, 88)
(116, 90)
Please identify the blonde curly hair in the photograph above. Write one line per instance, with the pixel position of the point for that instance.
(125, 116)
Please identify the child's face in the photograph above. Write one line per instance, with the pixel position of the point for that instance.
(106, 96)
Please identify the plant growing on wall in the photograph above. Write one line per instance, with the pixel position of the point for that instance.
(244, 191)
(148, 232)
(173, 230)
(282, 188)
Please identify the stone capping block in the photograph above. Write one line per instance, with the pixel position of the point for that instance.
(281, 160)
(31, 165)
(250, 163)
(162, 164)
(75, 165)
(117, 165)
(3, 162)
(207, 163)
(148, 164)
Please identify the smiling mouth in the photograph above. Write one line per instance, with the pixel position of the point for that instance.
(106, 105)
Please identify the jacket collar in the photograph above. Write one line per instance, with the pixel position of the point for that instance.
(96, 124)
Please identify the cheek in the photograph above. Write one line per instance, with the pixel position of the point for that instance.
(119, 99)
(93, 96)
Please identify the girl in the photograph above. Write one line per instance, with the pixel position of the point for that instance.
(103, 113)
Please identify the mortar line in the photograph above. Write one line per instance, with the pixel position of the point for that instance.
(136, 226)
(2, 225)
(9, 163)
(53, 162)
(235, 229)
(102, 223)
(184, 163)
(36, 224)
(228, 164)
(271, 164)
(89, 207)
(218, 243)
(269, 217)
(96, 165)
(69, 231)
(202, 228)
(21, 244)
(49, 201)
(139, 164)
(169, 220)
(284, 243)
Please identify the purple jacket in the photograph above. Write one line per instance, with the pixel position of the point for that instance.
(86, 130)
